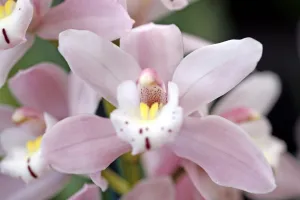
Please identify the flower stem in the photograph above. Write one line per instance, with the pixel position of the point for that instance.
(117, 183)
(108, 107)
(54, 42)
(131, 168)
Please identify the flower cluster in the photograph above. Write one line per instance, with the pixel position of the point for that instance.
(164, 87)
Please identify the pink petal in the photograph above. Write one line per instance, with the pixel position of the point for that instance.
(107, 18)
(102, 65)
(14, 26)
(6, 113)
(213, 70)
(155, 46)
(41, 7)
(87, 192)
(99, 180)
(214, 141)
(186, 190)
(287, 180)
(11, 56)
(160, 162)
(82, 98)
(259, 92)
(175, 4)
(191, 42)
(43, 87)
(207, 188)
(43, 188)
(150, 189)
(85, 138)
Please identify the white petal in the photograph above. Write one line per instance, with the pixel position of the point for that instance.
(150, 134)
(49, 120)
(127, 95)
(260, 92)
(272, 149)
(14, 137)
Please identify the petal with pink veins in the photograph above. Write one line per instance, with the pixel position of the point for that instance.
(103, 65)
(154, 46)
(211, 71)
(11, 56)
(150, 189)
(87, 192)
(82, 98)
(226, 153)
(85, 138)
(259, 92)
(107, 18)
(43, 87)
(287, 180)
(14, 26)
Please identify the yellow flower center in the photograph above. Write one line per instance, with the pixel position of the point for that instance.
(33, 145)
(149, 113)
(7, 8)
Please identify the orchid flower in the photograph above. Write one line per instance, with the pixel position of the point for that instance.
(245, 105)
(48, 87)
(150, 115)
(21, 21)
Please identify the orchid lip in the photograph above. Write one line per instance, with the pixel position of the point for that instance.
(25, 162)
(153, 121)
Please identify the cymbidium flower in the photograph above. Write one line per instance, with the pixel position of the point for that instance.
(155, 90)
(42, 88)
(21, 21)
(246, 106)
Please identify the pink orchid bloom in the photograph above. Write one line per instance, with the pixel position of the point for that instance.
(42, 88)
(28, 18)
(259, 92)
(196, 80)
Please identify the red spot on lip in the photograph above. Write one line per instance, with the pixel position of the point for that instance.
(30, 170)
(5, 36)
(147, 143)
